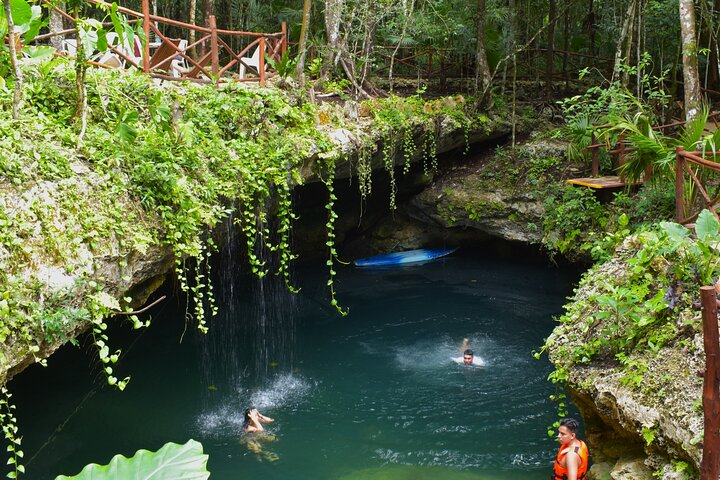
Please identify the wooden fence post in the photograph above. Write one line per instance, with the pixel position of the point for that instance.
(146, 30)
(595, 157)
(212, 23)
(679, 167)
(261, 61)
(710, 467)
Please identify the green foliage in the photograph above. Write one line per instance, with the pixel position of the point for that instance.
(622, 317)
(285, 67)
(399, 120)
(330, 228)
(171, 462)
(570, 215)
(611, 112)
(11, 434)
(314, 67)
(649, 435)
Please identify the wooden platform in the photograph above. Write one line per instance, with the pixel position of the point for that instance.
(602, 182)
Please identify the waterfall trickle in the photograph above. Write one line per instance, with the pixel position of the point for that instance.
(252, 338)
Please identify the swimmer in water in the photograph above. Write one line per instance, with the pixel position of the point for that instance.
(468, 357)
(253, 420)
(252, 423)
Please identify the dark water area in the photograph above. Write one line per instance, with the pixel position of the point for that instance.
(374, 395)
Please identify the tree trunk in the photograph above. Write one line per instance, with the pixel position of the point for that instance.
(482, 69)
(337, 53)
(369, 40)
(691, 76)
(634, 18)
(191, 20)
(566, 45)
(407, 15)
(80, 86)
(512, 38)
(12, 43)
(550, 61)
(208, 11)
(626, 31)
(56, 25)
(302, 48)
(590, 25)
(333, 14)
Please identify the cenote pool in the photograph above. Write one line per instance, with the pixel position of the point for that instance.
(373, 395)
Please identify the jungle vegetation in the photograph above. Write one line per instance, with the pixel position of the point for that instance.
(626, 65)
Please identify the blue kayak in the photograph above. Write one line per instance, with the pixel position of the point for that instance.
(407, 257)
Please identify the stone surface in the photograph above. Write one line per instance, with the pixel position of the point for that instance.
(600, 471)
(617, 415)
(142, 273)
(631, 469)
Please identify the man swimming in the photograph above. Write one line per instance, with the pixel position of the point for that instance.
(468, 357)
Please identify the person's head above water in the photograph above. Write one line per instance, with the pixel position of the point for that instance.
(247, 413)
(468, 357)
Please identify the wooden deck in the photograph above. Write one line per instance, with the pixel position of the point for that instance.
(602, 182)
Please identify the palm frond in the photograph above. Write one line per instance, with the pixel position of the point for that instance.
(646, 151)
(692, 132)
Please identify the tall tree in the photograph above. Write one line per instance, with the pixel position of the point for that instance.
(191, 20)
(624, 43)
(80, 74)
(333, 16)
(302, 45)
(482, 69)
(56, 25)
(17, 72)
(337, 53)
(370, 22)
(208, 9)
(550, 60)
(691, 74)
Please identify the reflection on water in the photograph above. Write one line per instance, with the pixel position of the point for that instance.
(374, 395)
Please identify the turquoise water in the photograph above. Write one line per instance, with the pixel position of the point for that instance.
(373, 395)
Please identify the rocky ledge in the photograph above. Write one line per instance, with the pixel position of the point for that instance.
(120, 271)
(643, 415)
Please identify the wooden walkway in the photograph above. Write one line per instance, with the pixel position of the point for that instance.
(601, 183)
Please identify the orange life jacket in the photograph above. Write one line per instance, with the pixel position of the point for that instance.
(560, 472)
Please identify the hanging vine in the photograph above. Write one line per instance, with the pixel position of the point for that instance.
(11, 434)
(327, 179)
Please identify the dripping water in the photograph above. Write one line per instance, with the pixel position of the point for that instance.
(252, 338)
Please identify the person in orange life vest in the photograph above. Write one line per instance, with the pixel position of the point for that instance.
(572, 458)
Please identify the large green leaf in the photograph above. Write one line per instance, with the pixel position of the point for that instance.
(706, 227)
(675, 232)
(171, 462)
(21, 14)
(21, 11)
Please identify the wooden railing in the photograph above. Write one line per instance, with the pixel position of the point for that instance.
(684, 162)
(621, 148)
(218, 55)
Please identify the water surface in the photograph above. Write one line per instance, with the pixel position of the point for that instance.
(373, 395)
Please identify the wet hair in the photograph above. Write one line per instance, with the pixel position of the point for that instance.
(571, 424)
(468, 352)
(246, 413)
